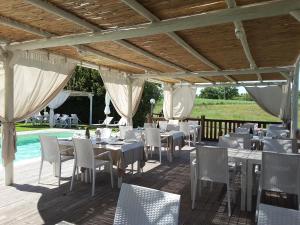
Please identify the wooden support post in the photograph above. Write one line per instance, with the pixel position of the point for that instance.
(91, 109)
(202, 127)
(8, 114)
(294, 102)
(171, 103)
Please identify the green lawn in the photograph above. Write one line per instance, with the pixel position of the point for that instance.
(30, 127)
(227, 109)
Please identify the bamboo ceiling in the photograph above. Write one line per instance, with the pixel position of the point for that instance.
(273, 41)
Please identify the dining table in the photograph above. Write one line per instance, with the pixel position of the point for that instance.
(123, 153)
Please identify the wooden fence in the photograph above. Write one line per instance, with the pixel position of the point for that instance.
(213, 128)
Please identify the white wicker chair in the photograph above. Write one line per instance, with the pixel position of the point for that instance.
(51, 153)
(231, 142)
(246, 139)
(186, 129)
(153, 140)
(149, 125)
(280, 133)
(85, 158)
(280, 173)
(242, 130)
(211, 165)
(280, 145)
(144, 206)
(123, 130)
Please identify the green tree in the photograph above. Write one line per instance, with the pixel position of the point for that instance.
(150, 91)
(219, 92)
(89, 80)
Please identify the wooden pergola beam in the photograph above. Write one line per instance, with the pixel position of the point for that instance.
(244, 84)
(239, 72)
(21, 26)
(248, 12)
(242, 36)
(51, 8)
(296, 14)
(81, 48)
(139, 8)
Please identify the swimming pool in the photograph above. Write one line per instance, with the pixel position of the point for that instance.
(28, 145)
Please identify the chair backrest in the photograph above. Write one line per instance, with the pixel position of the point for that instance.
(231, 142)
(280, 145)
(280, 172)
(105, 133)
(185, 128)
(56, 116)
(172, 127)
(123, 130)
(149, 125)
(122, 122)
(246, 139)
(107, 120)
(277, 133)
(152, 137)
(242, 130)
(163, 125)
(249, 125)
(130, 135)
(174, 122)
(212, 164)
(147, 206)
(276, 127)
(50, 148)
(84, 153)
(193, 122)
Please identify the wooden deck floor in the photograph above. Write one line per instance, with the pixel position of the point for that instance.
(27, 202)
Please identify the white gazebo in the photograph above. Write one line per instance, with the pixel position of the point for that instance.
(244, 43)
(60, 99)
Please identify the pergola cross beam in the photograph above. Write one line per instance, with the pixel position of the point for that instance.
(139, 8)
(49, 7)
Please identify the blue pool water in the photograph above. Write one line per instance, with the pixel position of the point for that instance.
(28, 146)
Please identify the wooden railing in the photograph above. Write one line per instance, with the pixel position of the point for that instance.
(213, 128)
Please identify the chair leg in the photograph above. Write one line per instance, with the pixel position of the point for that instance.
(111, 175)
(194, 188)
(257, 203)
(59, 173)
(40, 173)
(93, 182)
(228, 199)
(159, 152)
(73, 175)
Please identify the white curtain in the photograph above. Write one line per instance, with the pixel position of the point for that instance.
(183, 98)
(119, 86)
(57, 102)
(107, 102)
(38, 78)
(273, 99)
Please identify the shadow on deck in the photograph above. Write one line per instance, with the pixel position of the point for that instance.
(29, 202)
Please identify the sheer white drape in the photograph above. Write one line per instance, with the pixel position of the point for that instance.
(183, 101)
(38, 78)
(120, 87)
(273, 99)
(107, 102)
(57, 102)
